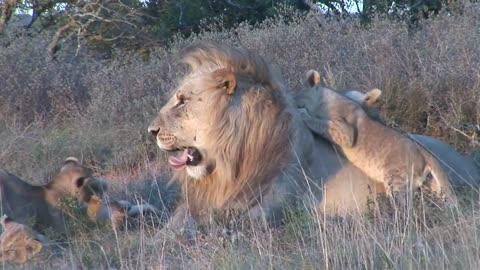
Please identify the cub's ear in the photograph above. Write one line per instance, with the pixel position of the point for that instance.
(313, 78)
(225, 80)
(69, 161)
(4, 220)
(371, 97)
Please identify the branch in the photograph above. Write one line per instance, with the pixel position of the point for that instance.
(53, 46)
(98, 21)
(38, 10)
(9, 7)
(180, 16)
(311, 5)
(231, 3)
(326, 3)
(342, 6)
(329, 5)
(357, 4)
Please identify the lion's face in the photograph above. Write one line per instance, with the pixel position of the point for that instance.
(184, 122)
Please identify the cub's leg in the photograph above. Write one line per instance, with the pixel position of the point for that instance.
(395, 180)
(33, 247)
(398, 184)
(336, 131)
(395, 185)
(20, 256)
(13, 255)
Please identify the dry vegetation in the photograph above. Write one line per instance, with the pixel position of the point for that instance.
(99, 111)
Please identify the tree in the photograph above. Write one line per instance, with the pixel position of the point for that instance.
(185, 16)
(8, 7)
(134, 24)
(87, 22)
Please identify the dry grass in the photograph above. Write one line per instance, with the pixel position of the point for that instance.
(306, 241)
(99, 111)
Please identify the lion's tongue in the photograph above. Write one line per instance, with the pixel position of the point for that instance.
(178, 163)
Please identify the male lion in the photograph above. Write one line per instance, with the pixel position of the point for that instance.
(235, 128)
(41, 206)
(384, 154)
(242, 143)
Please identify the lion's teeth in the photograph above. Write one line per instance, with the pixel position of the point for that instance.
(190, 157)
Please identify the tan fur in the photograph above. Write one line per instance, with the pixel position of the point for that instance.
(18, 243)
(107, 212)
(382, 153)
(41, 205)
(9, 8)
(244, 137)
(367, 100)
(348, 190)
(257, 154)
(313, 78)
(371, 97)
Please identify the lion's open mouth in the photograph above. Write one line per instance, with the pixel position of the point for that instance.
(189, 157)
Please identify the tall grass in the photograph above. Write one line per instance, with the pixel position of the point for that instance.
(306, 241)
(99, 110)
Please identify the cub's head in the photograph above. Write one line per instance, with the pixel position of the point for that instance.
(19, 242)
(310, 94)
(206, 118)
(76, 180)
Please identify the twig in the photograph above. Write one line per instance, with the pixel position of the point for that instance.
(9, 7)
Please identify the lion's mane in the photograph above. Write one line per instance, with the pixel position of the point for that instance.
(250, 135)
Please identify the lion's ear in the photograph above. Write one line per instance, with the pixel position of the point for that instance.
(371, 97)
(69, 161)
(73, 160)
(225, 80)
(313, 78)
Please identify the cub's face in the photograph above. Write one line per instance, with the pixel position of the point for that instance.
(77, 181)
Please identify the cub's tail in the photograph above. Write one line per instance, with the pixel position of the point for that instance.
(440, 182)
(139, 209)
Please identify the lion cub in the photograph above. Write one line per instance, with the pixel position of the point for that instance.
(19, 243)
(47, 206)
(384, 154)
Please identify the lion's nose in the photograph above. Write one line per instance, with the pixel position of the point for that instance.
(153, 131)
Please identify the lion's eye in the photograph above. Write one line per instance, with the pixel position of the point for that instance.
(80, 181)
(181, 100)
